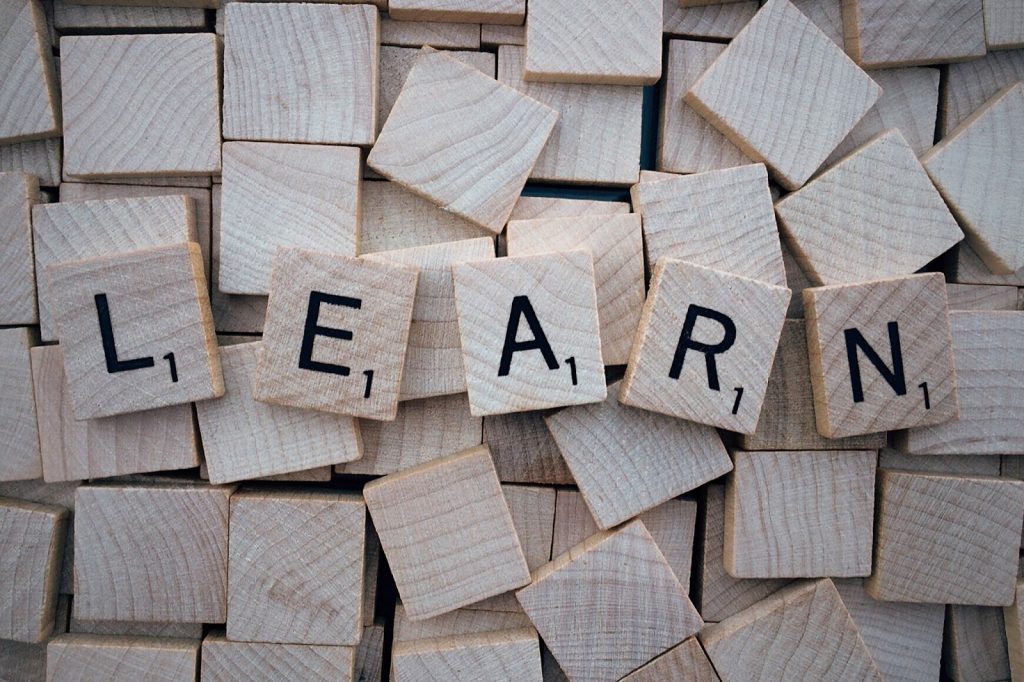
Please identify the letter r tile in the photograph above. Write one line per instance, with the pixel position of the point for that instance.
(705, 345)
(336, 334)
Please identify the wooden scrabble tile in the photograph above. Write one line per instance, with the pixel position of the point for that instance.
(981, 297)
(1004, 24)
(970, 84)
(645, 608)
(686, 661)
(225, 660)
(784, 81)
(884, 34)
(40, 158)
(587, 112)
(58, 494)
(169, 83)
(440, 34)
(323, 299)
(742, 321)
(979, 174)
(231, 312)
(1014, 622)
(626, 460)
(246, 439)
(710, 21)
(945, 539)
(893, 365)
(558, 362)
(31, 542)
(179, 574)
(451, 509)
(132, 628)
(277, 88)
(19, 437)
(18, 193)
(295, 567)
(968, 268)
(616, 244)
(826, 15)
(957, 465)
(461, 11)
(120, 659)
(523, 449)
(72, 17)
(428, 142)
(31, 105)
(531, 208)
(494, 35)
(302, 196)
(611, 42)
(800, 514)
(504, 655)
(803, 631)
(975, 646)
(467, 621)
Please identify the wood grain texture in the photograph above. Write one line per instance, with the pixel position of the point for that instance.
(957, 465)
(1004, 24)
(493, 35)
(505, 655)
(1012, 618)
(758, 312)
(802, 632)
(225, 660)
(720, 219)
(18, 193)
(379, 327)
(41, 158)
(452, 511)
(884, 34)
(968, 268)
(603, 41)
(77, 658)
(58, 494)
(370, 655)
(231, 313)
(19, 437)
(129, 628)
(532, 208)
(645, 608)
(970, 84)
(31, 104)
(31, 541)
(981, 297)
(110, 130)
(976, 523)
(800, 514)
(686, 661)
(440, 34)
(796, 280)
(597, 137)
(573, 522)
(428, 142)
(523, 449)
(616, 244)
(784, 119)
(171, 558)
(915, 308)
(826, 15)
(460, 11)
(978, 169)
(975, 646)
(457, 623)
(23, 662)
(68, 16)
(711, 21)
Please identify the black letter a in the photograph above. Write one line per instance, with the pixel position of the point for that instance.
(521, 307)
(109, 347)
(708, 349)
(895, 378)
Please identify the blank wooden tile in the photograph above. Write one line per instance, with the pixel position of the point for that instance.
(466, 621)
(225, 660)
(19, 438)
(1004, 24)
(883, 33)
(644, 609)
(975, 646)
(71, 17)
(169, 83)
(958, 465)
(530, 333)
(278, 87)
(944, 539)
(726, 390)
(504, 655)
(710, 21)
(531, 208)
(826, 15)
(968, 268)
(587, 112)
(881, 355)
(523, 449)
(784, 81)
(803, 632)
(981, 297)
(179, 574)
(18, 193)
(977, 168)
(40, 158)
(31, 106)
(429, 142)
(502, 34)
(136, 628)
(800, 514)
(31, 544)
(440, 34)
(354, 353)
(231, 312)
(617, 43)
(462, 11)
(451, 509)
(686, 661)
(301, 196)
(121, 659)
(797, 281)
(970, 84)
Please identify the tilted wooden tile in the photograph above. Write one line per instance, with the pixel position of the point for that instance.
(504, 655)
(802, 632)
(881, 355)
(40, 158)
(573, 522)
(783, 81)
(121, 659)
(494, 35)
(826, 15)
(884, 34)
(179, 574)
(981, 297)
(523, 449)
(358, 313)
(19, 437)
(231, 312)
(978, 169)
(710, 21)
(531, 208)
(970, 84)
(616, 244)
(134, 628)
(440, 34)
(968, 268)
(686, 661)
(800, 514)
(31, 105)
(277, 88)
(1004, 24)
(975, 646)
(452, 510)
(71, 17)
(428, 142)
(466, 621)
(645, 608)
(945, 539)
(957, 465)
(58, 494)
(18, 193)
(742, 321)
(31, 544)
(462, 11)
(587, 112)
(225, 660)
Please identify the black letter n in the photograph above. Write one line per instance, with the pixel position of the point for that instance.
(894, 377)
(521, 307)
(710, 350)
(114, 365)
(313, 330)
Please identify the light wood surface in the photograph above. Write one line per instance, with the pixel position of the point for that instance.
(573, 522)
(31, 104)
(523, 449)
(231, 313)
(440, 34)
(1004, 24)
(134, 628)
(58, 494)
(505, 655)
(826, 15)
(19, 438)
(968, 268)
(18, 193)
(456, 623)
(68, 16)
(975, 646)
(970, 84)
(370, 654)
(533, 208)
(31, 544)
(711, 21)
(957, 465)
(77, 658)
(224, 660)
(493, 35)
(462, 11)
(686, 661)
(40, 158)
(981, 297)
(1012, 618)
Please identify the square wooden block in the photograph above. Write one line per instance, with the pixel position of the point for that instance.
(881, 355)
(31, 550)
(29, 102)
(171, 85)
(224, 660)
(303, 196)
(981, 297)
(335, 335)
(710, 21)
(1004, 25)
(245, 439)
(533, 515)
(686, 661)
(69, 17)
(970, 84)
(134, 628)
(453, 511)
(301, 73)
(503, 655)
(295, 567)
(800, 514)
(645, 609)
(231, 312)
(40, 158)
(433, 145)
(602, 41)
(462, 11)
(19, 437)
(733, 322)
(120, 659)
(802, 94)
(530, 333)
(178, 574)
(18, 193)
(154, 343)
